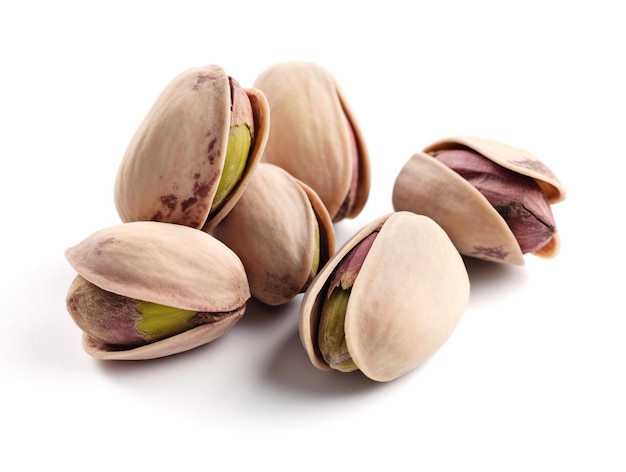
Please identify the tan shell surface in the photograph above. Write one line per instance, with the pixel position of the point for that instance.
(364, 171)
(172, 166)
(509, 157)
(324, 224)
(272, 230)
(163, 263)
(309, 136)
(173, 345)
(406, 301)
(428, 187)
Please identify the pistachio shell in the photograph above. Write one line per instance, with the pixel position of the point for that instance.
(405, 302)
(310, 134)
(167, 264)
(272, 229)
(509, 157)
(172, 167)
(428, 187)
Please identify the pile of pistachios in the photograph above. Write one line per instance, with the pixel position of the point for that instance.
(228, 193)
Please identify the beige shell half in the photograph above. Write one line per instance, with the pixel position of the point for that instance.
(168, 264)
(309, 136)
(405, 303)
(173, 164)
(272, 230)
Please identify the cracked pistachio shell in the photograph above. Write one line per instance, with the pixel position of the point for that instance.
(405, 302)
(314, 135)
(167, 264)
(280, 229)
(427, 186)
(173, 164)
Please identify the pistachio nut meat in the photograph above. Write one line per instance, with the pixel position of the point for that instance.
(190, 159)
(281, 231)
(149, 289)
(493, 200)
(315, 136)
(387, 300)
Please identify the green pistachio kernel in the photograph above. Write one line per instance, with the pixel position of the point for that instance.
(239, 141)
(161, 321)
(316, 254)
(332, 339)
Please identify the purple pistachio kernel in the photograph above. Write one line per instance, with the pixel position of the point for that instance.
(241, 109)
(346, 272)
(516, 197)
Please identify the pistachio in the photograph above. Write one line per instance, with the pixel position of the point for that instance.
(282, 233)
(190, 159)
(493, 200)
(314, 135)
(387, 300)
(149, 289)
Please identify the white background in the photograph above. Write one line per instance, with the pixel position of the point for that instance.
(533, 377)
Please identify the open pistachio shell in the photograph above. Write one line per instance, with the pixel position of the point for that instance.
(407, 298)
(314, 135)
(427, 186)
(166, 264)
(173, 164)
(282, 233)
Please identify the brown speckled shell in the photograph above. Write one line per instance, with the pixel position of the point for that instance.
(309, 136)
(173, 164)
(272, 230)
(168, 264)
(406, 301)
(427, 186)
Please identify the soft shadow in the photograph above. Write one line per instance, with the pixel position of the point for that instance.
(258, 369)
(489, 280)
(291, 370)
(288, 369)
(259, 315)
